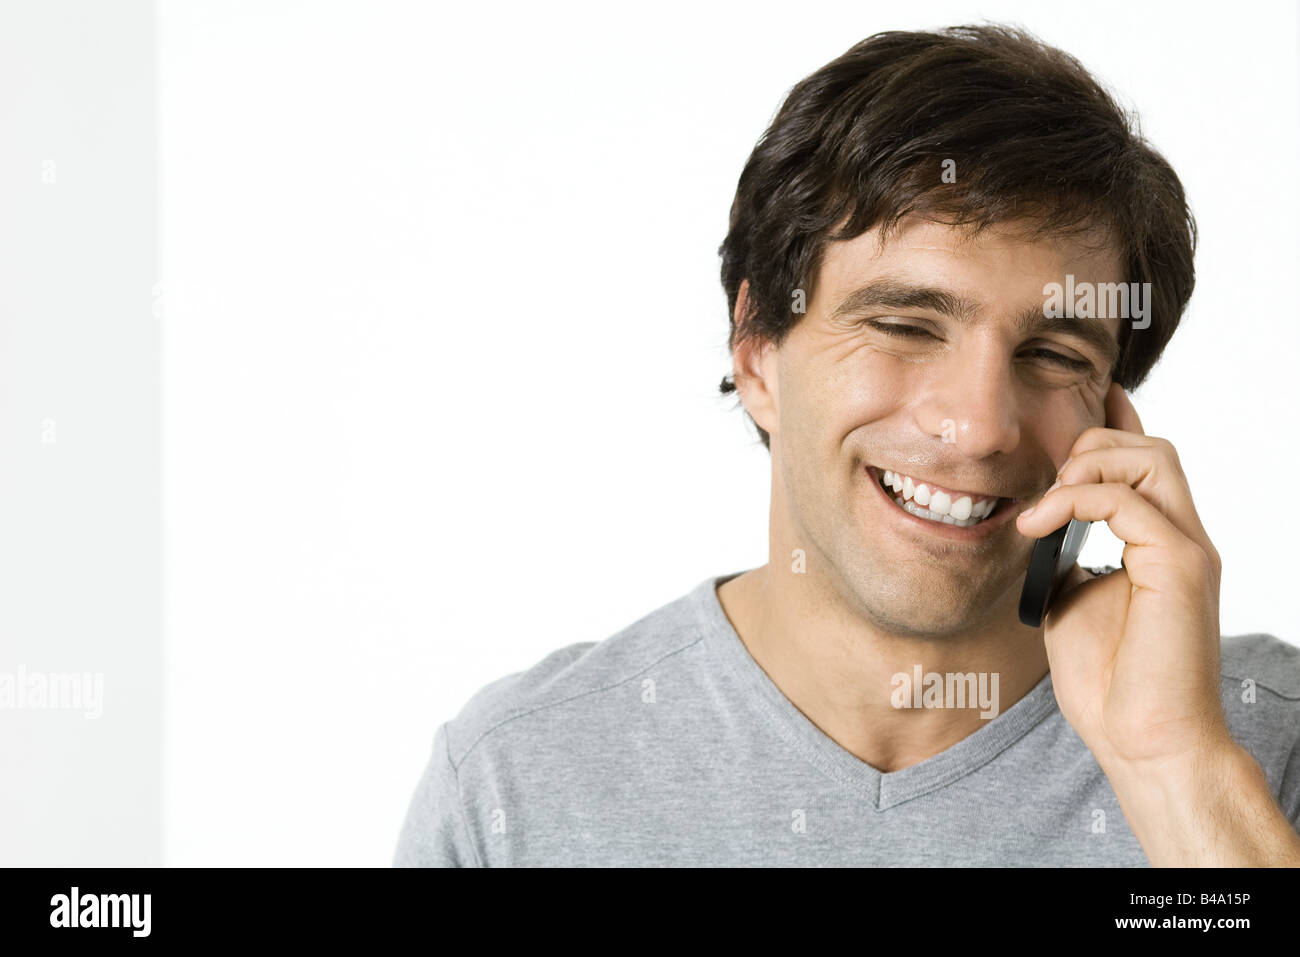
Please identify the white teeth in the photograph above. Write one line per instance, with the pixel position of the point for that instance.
(925, 502)
(925, 513)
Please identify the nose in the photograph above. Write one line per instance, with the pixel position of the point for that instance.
(971, 402)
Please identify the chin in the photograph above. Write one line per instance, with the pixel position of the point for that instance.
(940, 616)
(911, 624)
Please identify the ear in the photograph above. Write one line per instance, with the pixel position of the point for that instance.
(754, 370)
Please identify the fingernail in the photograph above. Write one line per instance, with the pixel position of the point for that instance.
(1029, 511)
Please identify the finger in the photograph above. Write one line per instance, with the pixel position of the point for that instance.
(1099, 437)
(1152, 471)
(1120, 413)
(1154, 546)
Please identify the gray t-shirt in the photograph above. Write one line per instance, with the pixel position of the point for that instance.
(667, 744)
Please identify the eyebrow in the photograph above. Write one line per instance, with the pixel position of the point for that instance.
(894, 294)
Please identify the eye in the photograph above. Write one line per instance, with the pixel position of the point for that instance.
(901, 329)
(1066, 362)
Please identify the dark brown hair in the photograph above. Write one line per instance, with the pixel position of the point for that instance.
(1034, 137)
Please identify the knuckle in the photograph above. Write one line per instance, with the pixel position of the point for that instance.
(1170, 453)
(1090, 438)
(1199, 559)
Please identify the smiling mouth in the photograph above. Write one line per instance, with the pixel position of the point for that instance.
(935, 503)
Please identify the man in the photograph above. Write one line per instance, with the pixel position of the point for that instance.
(899, 246)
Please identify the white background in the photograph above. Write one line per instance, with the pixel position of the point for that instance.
(443, 331)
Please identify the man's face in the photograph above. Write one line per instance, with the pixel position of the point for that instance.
(943, 369)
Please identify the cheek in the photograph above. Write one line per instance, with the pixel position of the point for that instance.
(858, 393)
(1090, 402)
(1062, 420)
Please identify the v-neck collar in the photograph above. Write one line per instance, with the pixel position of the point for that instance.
(882, 790)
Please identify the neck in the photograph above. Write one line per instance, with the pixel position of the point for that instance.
(839, 668)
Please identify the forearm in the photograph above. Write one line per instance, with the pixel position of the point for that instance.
(1211, 810)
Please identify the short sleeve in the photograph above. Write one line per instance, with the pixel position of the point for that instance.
(434, 833)
(1289, 796)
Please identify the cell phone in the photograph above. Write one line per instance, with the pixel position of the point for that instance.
(1049, 565)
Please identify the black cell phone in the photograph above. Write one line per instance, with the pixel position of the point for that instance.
(1049, 564)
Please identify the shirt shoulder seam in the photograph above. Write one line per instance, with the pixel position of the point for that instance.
(1258, 684)
(574, 697)
(460, 800)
